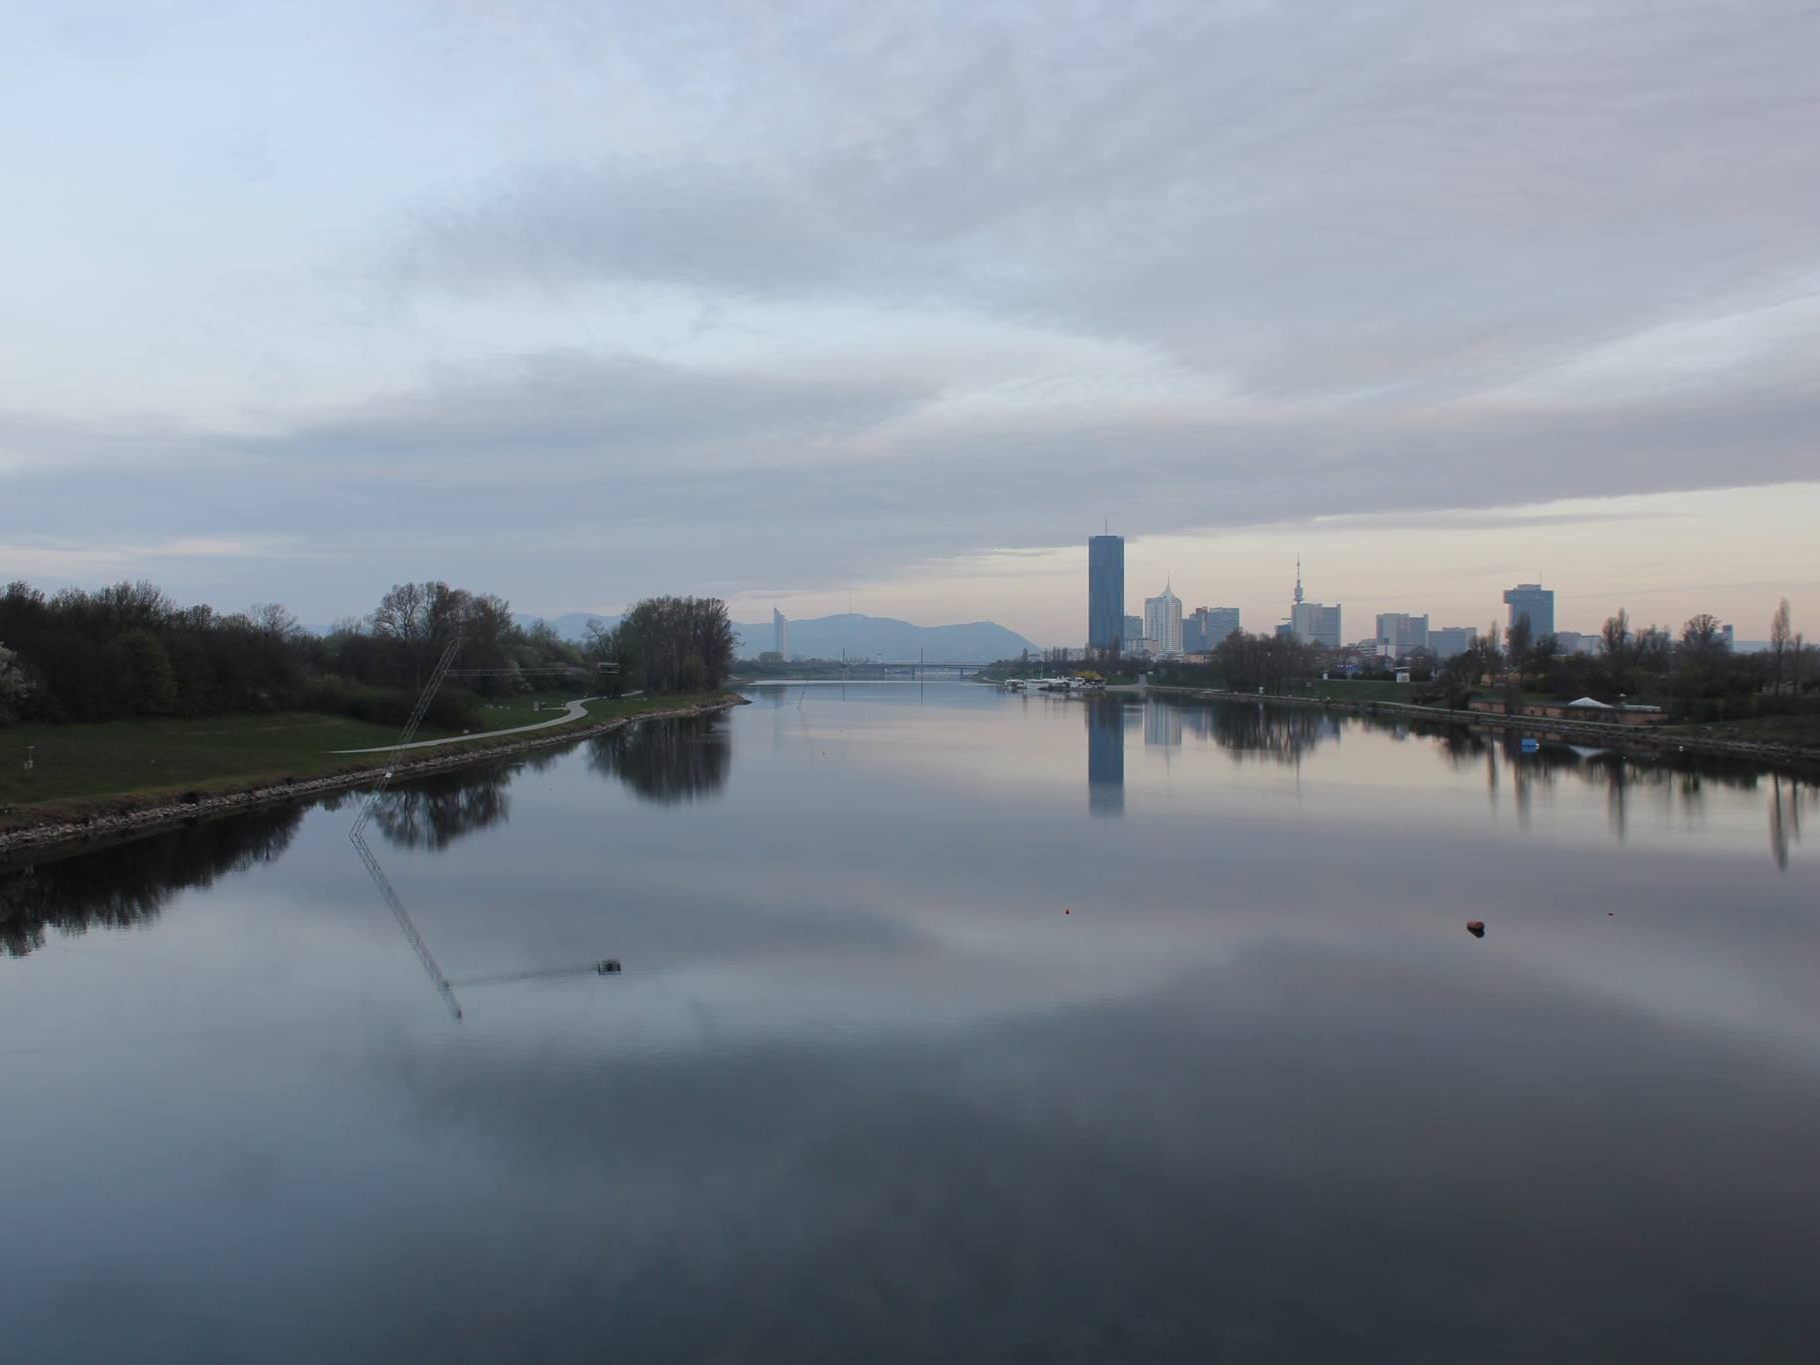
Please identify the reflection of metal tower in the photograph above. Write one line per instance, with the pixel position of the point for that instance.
(606, 967)
(403, 917)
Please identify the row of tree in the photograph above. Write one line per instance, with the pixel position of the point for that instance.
(129, 650)
(1695, 674)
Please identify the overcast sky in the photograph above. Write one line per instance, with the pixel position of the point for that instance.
(786, 302)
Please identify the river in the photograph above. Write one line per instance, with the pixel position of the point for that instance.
(947, 1025)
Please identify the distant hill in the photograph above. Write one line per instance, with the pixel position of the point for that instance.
(861, 636)
(884, 637)
(572, 625)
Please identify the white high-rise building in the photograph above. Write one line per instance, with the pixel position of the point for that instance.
(780, 633)
(1163, 621)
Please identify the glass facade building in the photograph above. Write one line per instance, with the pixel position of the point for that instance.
(1105, 591)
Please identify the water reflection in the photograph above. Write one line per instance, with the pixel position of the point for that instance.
(1271, 734)
(436, 811)
(868, 1090)
(666, 762)
(1162, 725)
(1105, 757)
(128, 884)
(1784, 818)
(1680, 780)
(1287, 735)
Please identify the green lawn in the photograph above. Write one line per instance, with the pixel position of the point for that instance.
(146, 757)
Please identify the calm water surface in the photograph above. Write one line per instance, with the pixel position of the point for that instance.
(952, 1026)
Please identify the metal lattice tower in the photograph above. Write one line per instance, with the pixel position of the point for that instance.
(418, 712)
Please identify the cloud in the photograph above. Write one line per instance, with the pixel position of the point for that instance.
(1319, 201)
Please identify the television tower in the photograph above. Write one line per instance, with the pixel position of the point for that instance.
(1298, 580)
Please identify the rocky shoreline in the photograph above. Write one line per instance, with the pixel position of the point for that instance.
(115, 818)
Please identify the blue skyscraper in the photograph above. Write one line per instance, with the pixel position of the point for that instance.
(1105, 591)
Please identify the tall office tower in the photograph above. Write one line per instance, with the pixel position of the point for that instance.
(1537, 603)
(1163, 621)
(780, 633)
(1134, 628)
(1399, 633)
(1105, 591)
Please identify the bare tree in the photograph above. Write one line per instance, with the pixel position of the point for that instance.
(1779, 637)
(274, 620)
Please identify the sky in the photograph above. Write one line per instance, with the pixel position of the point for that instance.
(814, 305)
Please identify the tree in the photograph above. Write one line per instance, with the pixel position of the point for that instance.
(1614, 635)
(1701, 641)
(1618, 646)
(416, 621)
(13, 685)
(1519, 639)
(148, 681)
(670, 644)
(1779, 637)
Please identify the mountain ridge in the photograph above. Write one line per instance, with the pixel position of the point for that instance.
(860, 635)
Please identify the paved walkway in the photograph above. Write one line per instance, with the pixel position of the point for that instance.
(573, 710)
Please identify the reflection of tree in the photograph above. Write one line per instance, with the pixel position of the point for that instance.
(1784, 819)
(128, 884)
(1271, 733)
(436, 811)
(666, 760)
(1674, 777)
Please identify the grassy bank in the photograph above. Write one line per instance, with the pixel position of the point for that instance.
(77, 765)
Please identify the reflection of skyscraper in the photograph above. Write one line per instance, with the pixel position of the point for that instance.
(1162, 725)
(780, 632)
(1105, 757)
(1105, 591)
